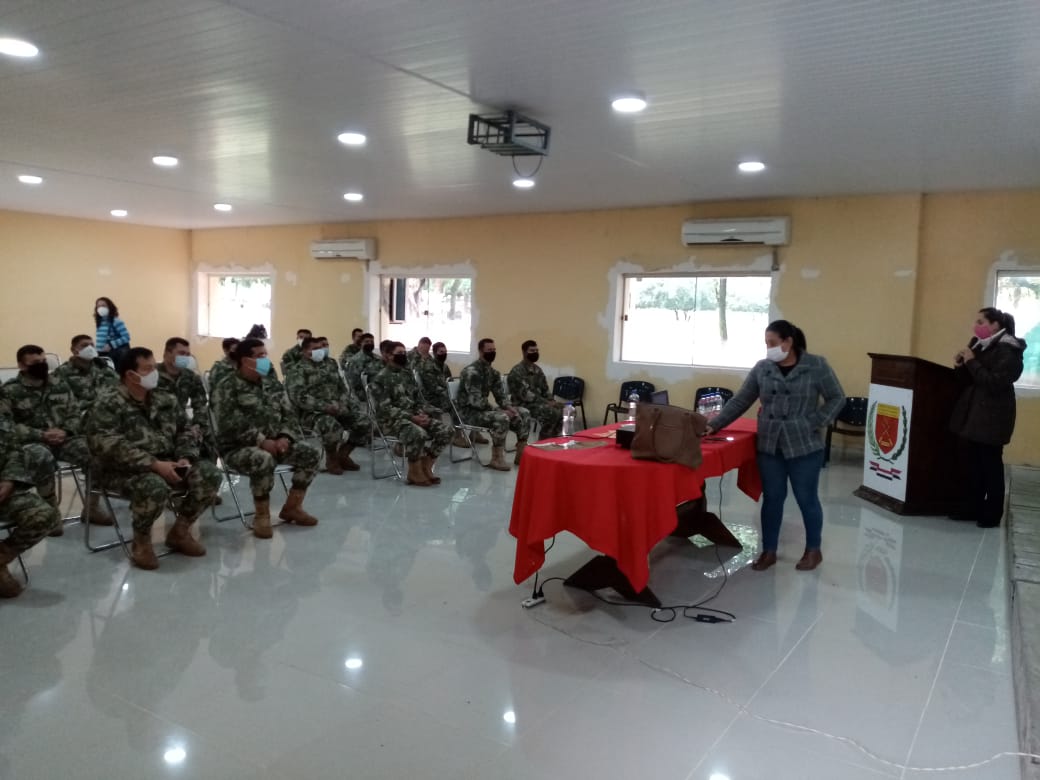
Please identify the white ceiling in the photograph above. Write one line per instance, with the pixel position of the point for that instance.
(836, 96)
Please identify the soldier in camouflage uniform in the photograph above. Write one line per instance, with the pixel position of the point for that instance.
(528, 386)
(402, 413)
(85, 373)
(291, 356)
(222, 367)
(364, 363)
(421, 351)
(46, 412)
(475, 382)
(257, 429)
(325, 406)
(145, 450)
(177, 376)
(352, 348)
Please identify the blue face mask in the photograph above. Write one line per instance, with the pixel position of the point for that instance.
(317, 355)
(263, 366)
(182, 361)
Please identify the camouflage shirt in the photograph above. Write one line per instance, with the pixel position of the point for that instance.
(433, 381)
(34, 408)
(86, 380)
(475, 382)
(290, 357)
(312, 386)
(187, 386)
(249, 412)
(13, 466)
(527, 384)
(396, 397)
(220, 369)
(127, 435)
(362, 363)
(348, 352)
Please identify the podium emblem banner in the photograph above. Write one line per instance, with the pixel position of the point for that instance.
(887, 454)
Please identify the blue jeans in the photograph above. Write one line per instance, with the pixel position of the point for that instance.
(804, 473)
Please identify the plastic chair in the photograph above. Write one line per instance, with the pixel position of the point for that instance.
(572, 389)
(53, 360)
(725, 392)
(642, 389)
(851, 421)
(25, 574)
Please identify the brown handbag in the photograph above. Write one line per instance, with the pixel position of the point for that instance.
(669, 434)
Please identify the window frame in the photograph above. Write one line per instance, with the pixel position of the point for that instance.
(202, 300)
(391, 277)
(1027, 388)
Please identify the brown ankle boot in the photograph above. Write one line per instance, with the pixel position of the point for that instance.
(9, 586)
(498, 459)
(460, 440)
(479, 438)
(97, 512)
(765, 560)
(427, 466)
(345, 460)
(262, 518)
(810, 560)
(141, 552)
(333, 465)
(293, 511)
(417, 474)
(180, 540)
(520, 445)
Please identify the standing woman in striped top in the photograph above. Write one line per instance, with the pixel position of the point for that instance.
(112, 338)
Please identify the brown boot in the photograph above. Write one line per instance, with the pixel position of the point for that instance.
(180, 540)
(427, 466)
(293, 511)
(498, 459)
(343, 455)
(479, 438)
(332, 461)
(810, 560)
(9, 586)
(417, 474)
(520, 445)
(97, 512)
(460, 440)
(765, 560)
(141, 552)
(262, 518)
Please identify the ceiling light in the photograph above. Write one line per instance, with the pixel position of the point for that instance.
(353, 663)
(165, 161)
(175, 756)
(222, 206)
(16, 48)
(629, 104)
(352, 139)
(509, 717)
(523, 184)
(119, 213)
(752, 166)
(26, 178)
(353, 197)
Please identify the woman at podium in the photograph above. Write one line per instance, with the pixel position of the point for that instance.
(800, 395)
(984, 416)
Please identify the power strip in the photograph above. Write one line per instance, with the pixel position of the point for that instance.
(534, 601)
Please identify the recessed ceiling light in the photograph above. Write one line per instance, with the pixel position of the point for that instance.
(353, 197)
(119, 213)
(16, 48)
(222, 206)
(175, 755)
(629, 104)
(751, 166)
(353, 663)
(165, 161)
(26, 178)
(523, 184)
(352, 139)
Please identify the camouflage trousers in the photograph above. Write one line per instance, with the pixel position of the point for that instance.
(258, 465)
(149, 493)
(330, 428)
(418, 441)
(500, 423)
(42, 461)
(29, 518)
(549, 417)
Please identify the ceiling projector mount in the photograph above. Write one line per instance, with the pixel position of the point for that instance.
(509, 134)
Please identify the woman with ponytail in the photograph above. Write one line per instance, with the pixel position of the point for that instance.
(984, 416)
(800, 395)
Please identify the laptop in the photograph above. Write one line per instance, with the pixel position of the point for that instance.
(659, 397)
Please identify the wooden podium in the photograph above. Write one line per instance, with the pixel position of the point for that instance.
(910, 457)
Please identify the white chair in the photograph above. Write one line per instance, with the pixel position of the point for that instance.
(464, 428)
(387, 443)
(53, 360)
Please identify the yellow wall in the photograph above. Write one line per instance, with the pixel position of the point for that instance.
(55, 267)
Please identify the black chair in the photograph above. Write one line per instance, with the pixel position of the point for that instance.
(851, 421)
(725, 392)
(571, 389)
(643, 389)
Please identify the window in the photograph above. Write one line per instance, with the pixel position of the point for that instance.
(1019, 294)
(231, 304)
(440, 308)
(695, 319)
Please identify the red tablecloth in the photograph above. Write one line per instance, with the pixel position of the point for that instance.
(618, 506)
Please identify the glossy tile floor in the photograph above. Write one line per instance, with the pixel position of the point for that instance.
(389, 642)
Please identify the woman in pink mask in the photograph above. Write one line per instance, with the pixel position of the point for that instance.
(984, 417)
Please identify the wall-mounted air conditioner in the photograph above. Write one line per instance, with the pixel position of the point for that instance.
(344, 249)
(767, 231)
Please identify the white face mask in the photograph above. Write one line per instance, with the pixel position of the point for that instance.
(299, 342)
(102, 311)
(149, 381)
(776, 354)
(317, 355)
(87, 353)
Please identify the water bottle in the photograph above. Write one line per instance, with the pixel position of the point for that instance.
(568, 420)
(633, 400)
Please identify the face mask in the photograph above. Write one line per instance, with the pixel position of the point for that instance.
(38, 370)
(317, 355)
(87, 353)
(299, 342)
(441, 356)
(263, 366)
(776, 354)
(149, 381)
(368, 349)
(182, 361)
(102, 311)
(400, 360)
(533, 356)
(490, 356)
(982, 332)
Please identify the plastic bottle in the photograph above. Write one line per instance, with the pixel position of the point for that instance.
(568, 420)
(633, 400)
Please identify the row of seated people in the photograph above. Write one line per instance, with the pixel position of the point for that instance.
(145, 429)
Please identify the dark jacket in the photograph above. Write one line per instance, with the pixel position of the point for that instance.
(985, 410)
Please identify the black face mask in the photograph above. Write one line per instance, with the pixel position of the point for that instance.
(490, 356)
(533, 356)
(38, 370)
(368, 349)
(441, 357)
(400, 360)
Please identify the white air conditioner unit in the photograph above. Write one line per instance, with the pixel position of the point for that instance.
(768, 231)
(344, 249)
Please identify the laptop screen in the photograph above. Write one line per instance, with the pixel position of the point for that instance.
(659, 397)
